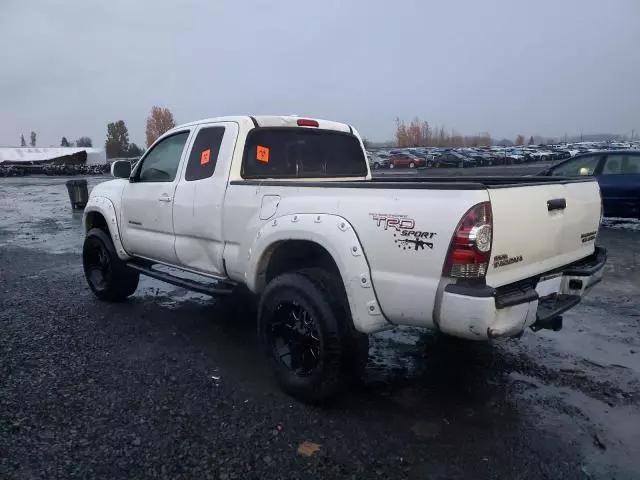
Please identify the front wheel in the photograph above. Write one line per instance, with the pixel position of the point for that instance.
(376, 166)
(429, 163)
(301, 329)
(412, 165)
(107, 275)
(391, 165)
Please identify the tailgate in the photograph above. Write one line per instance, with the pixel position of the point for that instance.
(538, 228)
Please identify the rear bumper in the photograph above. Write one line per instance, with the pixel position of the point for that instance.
(482, 313)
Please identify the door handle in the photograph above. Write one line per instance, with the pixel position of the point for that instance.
(164, 198)
(556, 204)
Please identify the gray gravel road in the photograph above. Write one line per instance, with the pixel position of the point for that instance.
(171, 384)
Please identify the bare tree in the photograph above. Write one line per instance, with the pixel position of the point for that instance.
(484, 139)
(423, 134)
(402, 138)
(23, 142)
(33, 138)
(159, 121)
(520, 140)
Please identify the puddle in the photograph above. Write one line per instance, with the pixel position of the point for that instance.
(621, 223)
(608, 435)
(35, 213)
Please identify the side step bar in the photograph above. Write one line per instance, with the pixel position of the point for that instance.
(213, 289)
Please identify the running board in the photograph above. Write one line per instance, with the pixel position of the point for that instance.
(214, 289)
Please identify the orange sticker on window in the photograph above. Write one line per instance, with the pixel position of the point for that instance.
(262, 154)
(205, 156)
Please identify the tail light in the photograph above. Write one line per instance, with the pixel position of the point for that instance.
(470, 249)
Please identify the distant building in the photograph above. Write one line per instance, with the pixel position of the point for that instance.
(52, 155)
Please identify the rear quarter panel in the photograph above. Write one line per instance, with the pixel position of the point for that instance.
(405, 235)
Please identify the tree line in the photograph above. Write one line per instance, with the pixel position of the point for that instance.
(117, 143)
(419, 133)
(85, 142)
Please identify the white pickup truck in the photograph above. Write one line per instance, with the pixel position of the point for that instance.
(287, 207)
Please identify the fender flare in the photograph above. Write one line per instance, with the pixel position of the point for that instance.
(336, 235)
(104, 206)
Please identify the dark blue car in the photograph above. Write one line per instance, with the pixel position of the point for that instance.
(618, 173)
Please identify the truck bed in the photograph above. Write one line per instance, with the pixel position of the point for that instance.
(423, 183)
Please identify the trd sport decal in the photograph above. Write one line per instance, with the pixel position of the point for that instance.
(404, 231)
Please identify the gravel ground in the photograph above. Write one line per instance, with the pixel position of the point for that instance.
(171, 385)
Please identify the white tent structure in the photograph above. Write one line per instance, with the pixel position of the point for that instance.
(31, 155)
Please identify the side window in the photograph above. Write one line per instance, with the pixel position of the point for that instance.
(204, 154)
(579, 166)
(617, 164)
(161, 163)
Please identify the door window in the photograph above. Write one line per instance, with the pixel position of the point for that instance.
(620, 163)
(162, 161)
(579, 166)
(204, 154)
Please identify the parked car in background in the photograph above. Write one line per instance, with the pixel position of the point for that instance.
(617, 172)
(454, 159)
(515, 156)
(426, 156)
(377, 162)
(406, 160)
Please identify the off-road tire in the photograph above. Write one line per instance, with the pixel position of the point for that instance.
(117, 281)
(319, 292)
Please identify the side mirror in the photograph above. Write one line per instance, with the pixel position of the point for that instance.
(121, 169)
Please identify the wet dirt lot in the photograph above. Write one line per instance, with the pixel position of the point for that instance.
(171, 383)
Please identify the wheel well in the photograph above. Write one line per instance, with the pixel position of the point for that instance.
(96, 220)
(293, 255)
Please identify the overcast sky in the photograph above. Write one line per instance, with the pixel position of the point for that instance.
(546, 67)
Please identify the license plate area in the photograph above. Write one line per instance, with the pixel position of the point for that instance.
(549, 285)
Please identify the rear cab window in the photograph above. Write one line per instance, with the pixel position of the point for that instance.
(290, 152)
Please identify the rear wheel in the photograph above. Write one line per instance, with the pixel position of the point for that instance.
(376, 166)
(429, 163)
(107, 275)
(307, 336)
